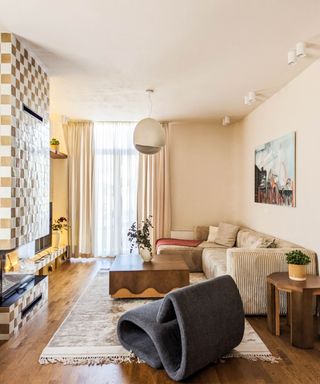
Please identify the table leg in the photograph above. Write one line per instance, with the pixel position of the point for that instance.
(301, 319)
(271, 308)
(277, 311)
(288, 308)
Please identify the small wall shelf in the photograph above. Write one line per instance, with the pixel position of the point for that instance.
(58, 155)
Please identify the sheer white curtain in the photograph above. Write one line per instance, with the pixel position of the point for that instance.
(115, 181)
(78, 135)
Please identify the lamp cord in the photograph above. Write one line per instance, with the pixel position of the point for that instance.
(150, 101)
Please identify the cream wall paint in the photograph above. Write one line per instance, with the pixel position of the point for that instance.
(59, 175)
(294, 108)
(202, 174)
(212, 167)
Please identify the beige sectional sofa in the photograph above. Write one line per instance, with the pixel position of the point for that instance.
(247, 264)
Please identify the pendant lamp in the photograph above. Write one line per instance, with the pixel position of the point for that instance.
(148, 136)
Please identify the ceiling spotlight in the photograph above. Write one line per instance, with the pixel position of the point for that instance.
(246, 100)
(226, 120)
(300, 49)
(252, 97)
(292, 58)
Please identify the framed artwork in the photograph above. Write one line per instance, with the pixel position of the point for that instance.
(275, 172)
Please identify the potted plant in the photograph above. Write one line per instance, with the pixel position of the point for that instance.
(140, 237)
(297, 261)
(54, 145)
(58, 226)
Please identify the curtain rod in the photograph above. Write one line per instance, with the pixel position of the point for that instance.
(107, 121)
(124, 121)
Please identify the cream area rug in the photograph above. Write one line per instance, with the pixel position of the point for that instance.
(88, 335)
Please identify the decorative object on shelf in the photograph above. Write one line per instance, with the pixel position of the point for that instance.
(140, 237)
(275, 177)
(54, 145)
(58, 226)
(149, 137)
(297, 261)
(56, 235)
(58, 155)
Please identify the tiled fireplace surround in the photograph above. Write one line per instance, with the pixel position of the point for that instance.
(24, 159)
(24, 154)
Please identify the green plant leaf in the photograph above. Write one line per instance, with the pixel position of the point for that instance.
(297, 257)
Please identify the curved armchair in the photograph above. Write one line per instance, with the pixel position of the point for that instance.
(188, 329)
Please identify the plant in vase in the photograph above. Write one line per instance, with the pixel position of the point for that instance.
(297, 261)
(58, 226)
(140, 237)
(54, 145)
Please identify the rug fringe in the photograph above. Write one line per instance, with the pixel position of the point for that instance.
(254, 357)
(118, 359)
(90, 360)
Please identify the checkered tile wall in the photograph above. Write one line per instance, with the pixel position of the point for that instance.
(24, 152)
(11, 319)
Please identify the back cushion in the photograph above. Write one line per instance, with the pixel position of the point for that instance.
(201, 232)
(213, 231)
(248, 239)
(227, 234)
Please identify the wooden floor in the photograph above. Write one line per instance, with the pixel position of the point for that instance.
(19, 356)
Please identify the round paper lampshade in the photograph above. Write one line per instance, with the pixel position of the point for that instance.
(149, 137)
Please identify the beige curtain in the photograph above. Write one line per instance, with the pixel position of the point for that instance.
(154, 189)
(78, 135)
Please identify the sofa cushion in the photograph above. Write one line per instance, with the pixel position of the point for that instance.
(227, 234)
(201, 232)
(208, 244)
(286, 244)
(212, 234)
(247, 238)
(214, 262)
(191, 255)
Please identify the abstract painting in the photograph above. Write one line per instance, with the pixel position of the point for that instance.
(275, 176)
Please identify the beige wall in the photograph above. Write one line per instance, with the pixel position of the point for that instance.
(202, 174)
(59, 174)
(294, 108)
(212, 167)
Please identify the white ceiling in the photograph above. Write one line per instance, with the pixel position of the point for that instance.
(200, 56)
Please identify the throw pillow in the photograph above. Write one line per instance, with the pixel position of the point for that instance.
(227, 234)
(212, 234)
(257, 244)
(268, 243)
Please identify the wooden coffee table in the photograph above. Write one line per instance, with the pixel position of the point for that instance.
(130, 277)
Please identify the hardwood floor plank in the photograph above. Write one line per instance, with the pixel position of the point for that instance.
(19, 356)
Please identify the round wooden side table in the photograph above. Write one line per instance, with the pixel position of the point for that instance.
(299, 306)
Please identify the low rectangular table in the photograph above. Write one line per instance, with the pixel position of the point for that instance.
(130, 277)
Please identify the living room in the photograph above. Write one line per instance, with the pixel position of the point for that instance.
(201, 117)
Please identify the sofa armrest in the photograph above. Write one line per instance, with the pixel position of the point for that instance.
(201, 232)
(247, 259)
(250, 267)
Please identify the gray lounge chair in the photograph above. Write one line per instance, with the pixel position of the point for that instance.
(188, 329)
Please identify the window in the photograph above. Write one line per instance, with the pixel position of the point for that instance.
(115, 179)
